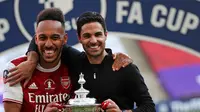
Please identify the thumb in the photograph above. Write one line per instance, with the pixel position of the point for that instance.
(26, 82)
(114, 56)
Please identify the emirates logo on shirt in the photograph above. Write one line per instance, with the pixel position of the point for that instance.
(65, 81)
(49, 84)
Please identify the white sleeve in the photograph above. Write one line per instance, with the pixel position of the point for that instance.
(12, 93)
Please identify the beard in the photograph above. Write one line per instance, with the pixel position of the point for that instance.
(94, 54)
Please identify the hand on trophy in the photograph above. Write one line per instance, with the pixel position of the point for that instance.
(54, 107)
(110, 106)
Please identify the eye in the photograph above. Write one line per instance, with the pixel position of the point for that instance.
(55, 37)
(99, 34)
(42, 37)
(86, 36)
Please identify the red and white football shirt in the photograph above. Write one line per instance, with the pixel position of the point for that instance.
(45, 86)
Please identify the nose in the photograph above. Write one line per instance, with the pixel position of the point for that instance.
(93, 39)
(48, 43)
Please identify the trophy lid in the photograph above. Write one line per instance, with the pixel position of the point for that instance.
(81, 94)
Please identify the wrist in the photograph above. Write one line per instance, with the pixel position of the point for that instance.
(32, 57)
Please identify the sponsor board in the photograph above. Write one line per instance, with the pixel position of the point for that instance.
(188, 105)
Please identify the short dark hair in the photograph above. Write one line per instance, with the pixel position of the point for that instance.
(51, 14)
(88, 17)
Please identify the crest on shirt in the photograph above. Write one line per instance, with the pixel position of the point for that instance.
(65, 81)
(5, 75)
(49, 84)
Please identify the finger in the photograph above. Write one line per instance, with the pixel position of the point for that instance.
(114, 56)
(126, 63)
(113, 68)
(51, 109)
(13, 78)
(16, 81)
(54, 109)
(112, 110)
(13, 73)
(53, 104)
(110, 106)
(13, 69)
(116, 65)
(104, 105)
(26, 82)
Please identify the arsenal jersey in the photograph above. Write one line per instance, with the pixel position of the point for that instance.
(45, 86)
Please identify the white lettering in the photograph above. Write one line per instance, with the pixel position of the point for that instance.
(163, 108)
(4, 28)
(56, 98)
(69, 25)
(40, 99)
(155, 21)
(65, 96)
(39, 108)
(191, 105)
(120, 11)
(36, 108)
(174, 19)
(47, 98)
(51, 98)
(30, 96)
(178, 20)
(135, 13)
(60, 97)
(191, 22)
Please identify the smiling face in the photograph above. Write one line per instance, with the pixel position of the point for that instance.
(50, 38)
(92, 37)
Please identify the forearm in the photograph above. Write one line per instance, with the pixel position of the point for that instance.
(12, 107)
(32, 57)
(32, 46)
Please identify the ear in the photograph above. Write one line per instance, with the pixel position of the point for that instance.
(65, 39)
(106, 34)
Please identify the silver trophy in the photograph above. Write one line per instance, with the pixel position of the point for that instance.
(81, 103)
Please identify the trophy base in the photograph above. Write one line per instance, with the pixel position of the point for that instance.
(83, 108)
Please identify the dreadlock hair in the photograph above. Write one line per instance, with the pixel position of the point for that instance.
(88, 17)
(51, 14)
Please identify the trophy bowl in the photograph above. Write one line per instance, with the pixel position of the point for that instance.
(81, 103)
(83, 108)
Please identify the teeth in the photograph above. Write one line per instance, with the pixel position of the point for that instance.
(49, 51)
(93, 46)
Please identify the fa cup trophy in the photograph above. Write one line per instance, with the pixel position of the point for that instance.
(81, 103)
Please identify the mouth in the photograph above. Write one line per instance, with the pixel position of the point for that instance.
(94, 48)
(49, 53)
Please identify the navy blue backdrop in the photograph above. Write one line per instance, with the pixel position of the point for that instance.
(174, 20)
